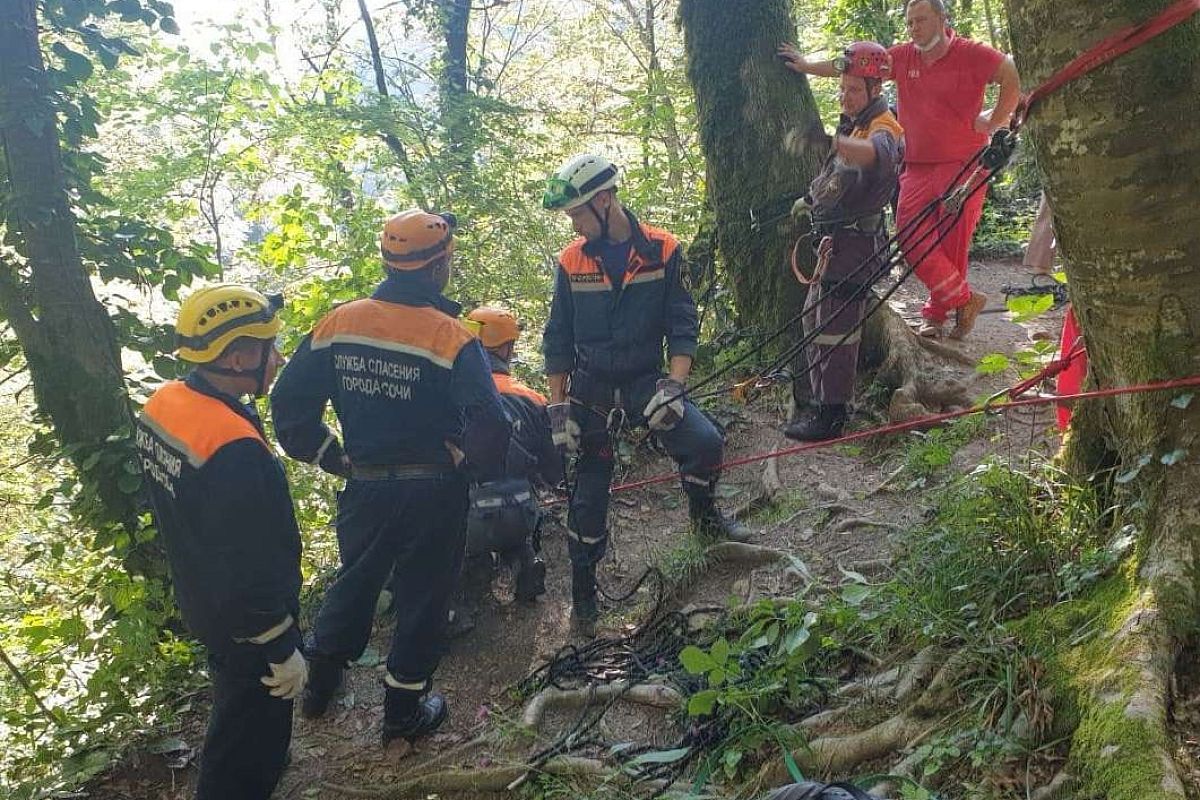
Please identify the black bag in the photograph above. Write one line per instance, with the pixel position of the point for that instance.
(503, 516)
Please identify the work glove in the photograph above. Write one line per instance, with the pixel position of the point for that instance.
(802, 208)
(287, 680)
(564, 429)
(665, 409)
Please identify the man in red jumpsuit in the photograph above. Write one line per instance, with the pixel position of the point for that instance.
(940, 81)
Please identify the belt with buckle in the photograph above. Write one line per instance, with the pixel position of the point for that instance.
(399, 472)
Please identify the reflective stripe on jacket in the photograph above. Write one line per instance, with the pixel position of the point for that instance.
(619, 333)
(404, 377)
(221, 502)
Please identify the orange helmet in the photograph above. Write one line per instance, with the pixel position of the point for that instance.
(865, 60)
(494, 326)
(414, 239)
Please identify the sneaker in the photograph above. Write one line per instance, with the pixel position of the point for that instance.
(409, 716)
(966, 315)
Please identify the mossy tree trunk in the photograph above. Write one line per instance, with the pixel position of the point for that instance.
(1122, 176)
(762, 140)
(46, 297)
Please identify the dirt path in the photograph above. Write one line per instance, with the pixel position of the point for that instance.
(511, 639)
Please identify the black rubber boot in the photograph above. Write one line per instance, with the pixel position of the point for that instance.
(531, 575)
(827, 423)
(324, 679)
(709, 522)
(584, 611)
(411, 715)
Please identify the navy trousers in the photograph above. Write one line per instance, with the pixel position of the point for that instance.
(694, 444)
(412, 529)
(249, 731)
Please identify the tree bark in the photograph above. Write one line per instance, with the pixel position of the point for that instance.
(762, 140)
(1122, 177)
(457, 111)
(68, 339)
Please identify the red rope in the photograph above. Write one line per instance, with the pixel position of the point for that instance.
(1052, 370)
(1103, 52)
(923, 422)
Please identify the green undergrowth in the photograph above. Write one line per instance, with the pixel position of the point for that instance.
(105, 666)
(1019, 572)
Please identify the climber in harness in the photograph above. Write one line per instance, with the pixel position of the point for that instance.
(846, 204)
(503, 517)
(619, 302)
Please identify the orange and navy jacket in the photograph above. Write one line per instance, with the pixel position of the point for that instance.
(405, 378)
(531, 451)
(843, 191)
(617, 334)
(221, 501)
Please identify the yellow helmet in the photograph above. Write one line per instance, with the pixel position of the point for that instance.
(414, 239)
(212, 317)
(493, 326)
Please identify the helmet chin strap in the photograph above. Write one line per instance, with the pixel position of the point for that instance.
(259, 373)
(602, 220)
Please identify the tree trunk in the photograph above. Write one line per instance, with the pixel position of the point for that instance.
(762, 140)
(457, 112)
(1122, 175)
(68, 339)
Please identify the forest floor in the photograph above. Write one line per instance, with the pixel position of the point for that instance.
(512, 639)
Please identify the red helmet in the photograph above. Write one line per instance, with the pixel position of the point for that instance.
(866, 60)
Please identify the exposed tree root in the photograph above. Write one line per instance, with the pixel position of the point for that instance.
(921, 380)
(488, 780)
(751, 555)
(943, 350)
(840, 755)
(1059, 787)
(871, 684)
(850, 523)
(917, 673)
(647, 694)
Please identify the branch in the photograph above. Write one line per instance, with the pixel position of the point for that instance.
(390, 139)
(20, 319)
(29, 690)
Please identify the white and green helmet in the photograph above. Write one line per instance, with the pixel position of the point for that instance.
(578, 180)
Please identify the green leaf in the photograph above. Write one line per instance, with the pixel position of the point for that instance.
(796, 639)
(720, 652)
(716, 677)
(1026, 307)
(992, 363)
(695, 660)
(77, 65)
(702, 703)
(855, 594)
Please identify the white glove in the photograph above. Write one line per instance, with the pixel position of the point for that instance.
(665, 409)
(564, 429)
(287, 679)
(802, 208)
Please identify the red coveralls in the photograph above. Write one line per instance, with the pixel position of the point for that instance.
(938, 105)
